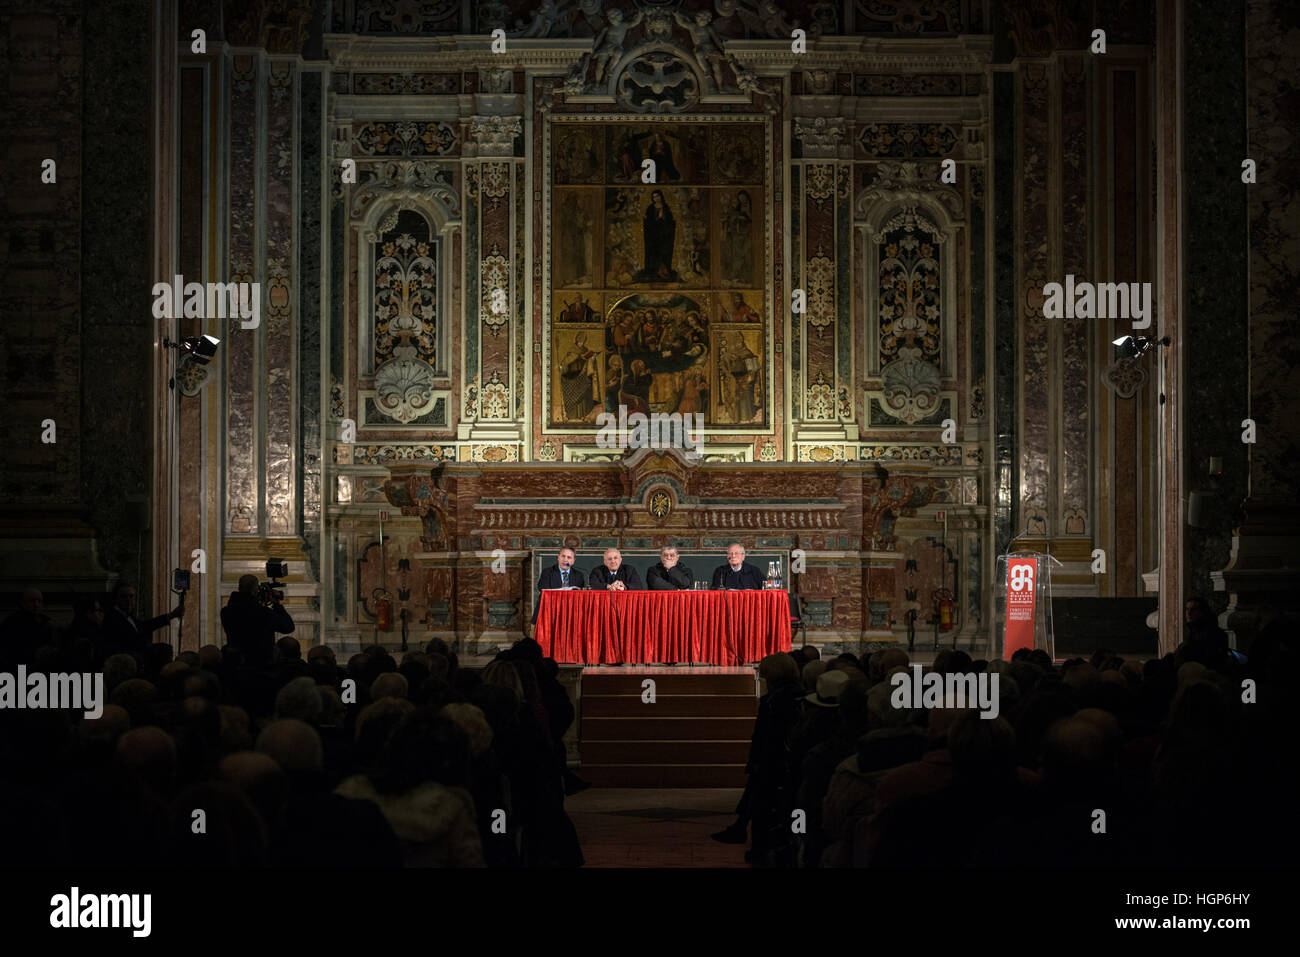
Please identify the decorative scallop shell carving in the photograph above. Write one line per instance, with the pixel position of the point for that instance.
(404, 388)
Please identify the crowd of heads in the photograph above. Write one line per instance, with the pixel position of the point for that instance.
(1108, 761)
(379, 761)
(307, 761)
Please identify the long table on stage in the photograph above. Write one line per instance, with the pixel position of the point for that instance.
(646, 627)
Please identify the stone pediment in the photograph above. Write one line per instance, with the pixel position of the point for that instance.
(643, 467)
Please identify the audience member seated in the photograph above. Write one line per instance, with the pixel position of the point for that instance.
(418, 783)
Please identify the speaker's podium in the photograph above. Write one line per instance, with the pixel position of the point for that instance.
(1024, 604)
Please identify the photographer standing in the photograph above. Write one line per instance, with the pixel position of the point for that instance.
(123, 632)
(252, 618)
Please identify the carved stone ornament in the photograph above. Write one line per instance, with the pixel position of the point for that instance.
(417, 490)
(897, 182)
(1125, 377)
(495, 80)
(658, 82)
(495, 135)
(911, 388)
(819, 135)
(404, 179)
(404, 387)
(641, 58)
(190, 377)
(660, 504)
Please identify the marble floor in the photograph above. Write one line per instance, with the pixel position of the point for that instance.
(655, 827)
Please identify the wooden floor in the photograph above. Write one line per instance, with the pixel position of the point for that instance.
(655, 827)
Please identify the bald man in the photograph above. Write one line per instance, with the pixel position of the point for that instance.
(737, 574)
(615, 575)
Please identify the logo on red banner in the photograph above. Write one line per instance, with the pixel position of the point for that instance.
(1022, 574)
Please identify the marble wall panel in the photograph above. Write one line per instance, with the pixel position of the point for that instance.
(280, 415)
(114, 114)
(310, 319)
(1033, 242)
(243, 461)
(1274, 265)
(1073, 472)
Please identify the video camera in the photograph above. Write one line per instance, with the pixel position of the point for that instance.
(272, 590)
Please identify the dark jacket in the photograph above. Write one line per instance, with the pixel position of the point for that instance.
(747, 577)
(601, 577)
(252, 627)
(659, 578)
(551, 579)
(20, 635)
(123, 634)
(1205, 642)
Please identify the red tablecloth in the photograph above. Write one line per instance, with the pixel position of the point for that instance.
(644, 627)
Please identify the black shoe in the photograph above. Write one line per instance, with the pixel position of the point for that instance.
(732, 835)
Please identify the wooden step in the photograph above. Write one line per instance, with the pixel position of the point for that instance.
(664, 752)
(669, 706)
(666, 776)
(695, 734)
(668, 684)
(658, 728)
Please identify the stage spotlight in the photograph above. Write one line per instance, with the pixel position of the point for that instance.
(1132, 347)
(200, 349)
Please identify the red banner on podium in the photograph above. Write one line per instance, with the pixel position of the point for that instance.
(1022, 581)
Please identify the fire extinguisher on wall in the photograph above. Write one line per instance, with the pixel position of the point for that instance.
(383, 610)
(944, 606)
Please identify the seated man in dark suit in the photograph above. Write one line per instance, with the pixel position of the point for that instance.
(614, 575)
(560, 575)
(737, 573)
(670, 573)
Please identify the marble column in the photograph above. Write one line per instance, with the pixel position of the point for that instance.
(1261, 576)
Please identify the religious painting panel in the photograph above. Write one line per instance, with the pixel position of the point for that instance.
(680, 153)
(578, 153)
(740, 306)
(576, 214)
(654, 265)
(738, 155)
(656, 236)
(576, 380)
(578, 306)
(657, 346)
(739, 246)
(738, 377)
